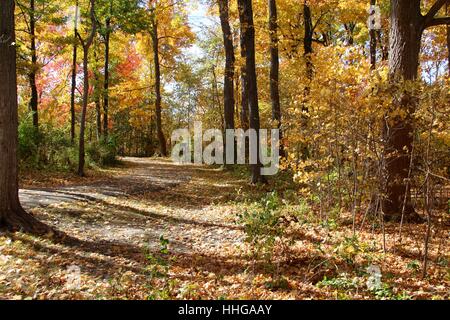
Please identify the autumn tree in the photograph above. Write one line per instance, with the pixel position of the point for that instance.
(32, 74)
(86, 45)
(12, 215)
(275, 67)
(228, 91)
(373, 38)
(74, 74)
(107, 38)
(157, 73)
(244, 114)
(248, 33)
(32, 13)
(124, 15)
(447, 10)
(407, 27)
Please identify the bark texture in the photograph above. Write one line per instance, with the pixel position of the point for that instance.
(106, 83)
(373, 42)
(229, 100)
(34, 100)
(248, 33)
(12, 216)
(158, 100)
(407, 25)
(86, 44)
(275, 69)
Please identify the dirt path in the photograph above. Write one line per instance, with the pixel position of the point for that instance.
(148, 199)
(113, 223)
(137, 177)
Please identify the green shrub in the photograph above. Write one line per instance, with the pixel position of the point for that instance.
(103, 152)
(263, 226)
(50, 148)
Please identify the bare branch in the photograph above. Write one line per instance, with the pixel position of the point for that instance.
(434, 10)
(438, 22)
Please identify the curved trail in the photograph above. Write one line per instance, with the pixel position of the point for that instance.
(149, 198)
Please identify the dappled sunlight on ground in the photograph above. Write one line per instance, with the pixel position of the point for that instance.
(112, 223)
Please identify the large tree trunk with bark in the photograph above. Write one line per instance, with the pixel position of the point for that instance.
(405, 41)
(34, 100)
(248, 30)
(12, 215)
(407, 26)
(74, 77)
(228, 91)
(158, 101)
(275, 68)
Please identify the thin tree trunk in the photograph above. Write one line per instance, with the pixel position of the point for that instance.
(12, 215)
(244, 85)
(97, 95)
(158, 102)
(248, 30)
(308, 52)
(447, 11)
(383, 41)
(81, 155)
(373, 42)
(86, 46)
(228, 93)
(74, 77)
(106, 83)
(275, 68)
(307, 43)
(34, 100)
(216, 102)
(350, 28)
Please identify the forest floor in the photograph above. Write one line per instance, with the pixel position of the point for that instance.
(117, 223)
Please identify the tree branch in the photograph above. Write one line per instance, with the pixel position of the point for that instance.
(438, 22)
(434, 10)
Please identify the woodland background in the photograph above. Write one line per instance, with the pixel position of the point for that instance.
(364, 115)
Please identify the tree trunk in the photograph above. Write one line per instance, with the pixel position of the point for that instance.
(74, 78)
(106, 83)
(158, 102)
(86, 46)
(350, 29)
(373, 43)
(405, 40)
(248, 30)
(97, 96)
(275, 68)
(244, 85)
(32, 75)
(81, 150)
(447, 10)
(228, 93)
(307, 43)
(12, 215)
